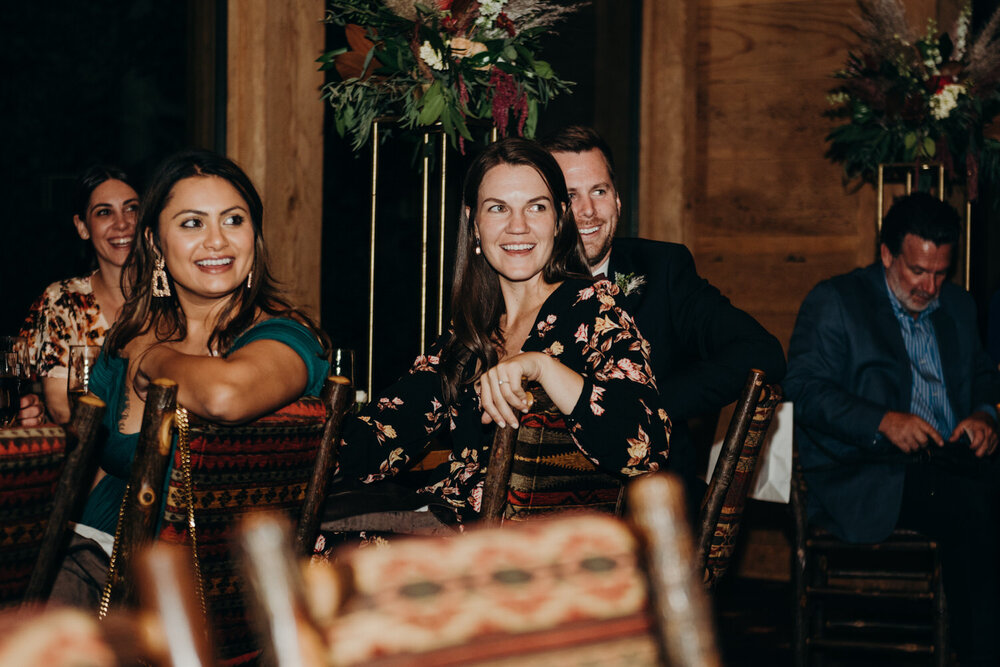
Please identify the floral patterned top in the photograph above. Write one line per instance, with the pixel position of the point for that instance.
(65, 314)
(615, 423)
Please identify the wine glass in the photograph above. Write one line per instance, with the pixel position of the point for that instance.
(343, 363)
(81, 362)
(14, 376)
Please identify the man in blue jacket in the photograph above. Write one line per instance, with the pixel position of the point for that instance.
(895, 412)
(702, 347)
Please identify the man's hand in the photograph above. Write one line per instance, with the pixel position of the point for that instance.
(982, 432)
(31, 411)
(909, 432)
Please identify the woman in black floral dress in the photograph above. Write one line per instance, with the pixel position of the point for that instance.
(523, 305)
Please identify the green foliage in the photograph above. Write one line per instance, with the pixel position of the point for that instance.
(908, 100)
(424, 75)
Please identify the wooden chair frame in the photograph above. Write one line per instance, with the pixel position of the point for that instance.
(143, 502)
(679, 607)
(81, 438)
(723, 504)
(815, 581)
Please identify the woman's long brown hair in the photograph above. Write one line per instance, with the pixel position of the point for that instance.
(143, 312)
(476, 301)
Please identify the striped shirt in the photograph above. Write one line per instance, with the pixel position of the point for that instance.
(929, 399)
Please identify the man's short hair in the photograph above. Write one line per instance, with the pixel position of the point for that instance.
(922, 215)
(579, 139)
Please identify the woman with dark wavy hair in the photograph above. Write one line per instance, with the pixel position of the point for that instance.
(203, 311)
(523, 306)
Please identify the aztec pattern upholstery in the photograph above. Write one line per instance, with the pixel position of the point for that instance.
(727, 528)
(549, 473)
(263, 465)
(31, 460)
(567, 591)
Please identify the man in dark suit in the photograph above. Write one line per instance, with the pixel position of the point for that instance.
(884, 363)
(702, 347)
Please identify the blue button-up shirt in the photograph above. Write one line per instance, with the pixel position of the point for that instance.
(929, 398)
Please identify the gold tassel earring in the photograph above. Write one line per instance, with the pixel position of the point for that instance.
(161, 287)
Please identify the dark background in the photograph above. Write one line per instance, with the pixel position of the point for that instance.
(83, 82)
(129, 83)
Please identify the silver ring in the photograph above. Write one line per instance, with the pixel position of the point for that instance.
(501, 382)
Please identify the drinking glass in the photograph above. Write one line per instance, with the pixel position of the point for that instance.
(81, 362)
(343, 363)
(14, 376)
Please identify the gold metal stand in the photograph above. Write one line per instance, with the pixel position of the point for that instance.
(907, 170)
(425, 216)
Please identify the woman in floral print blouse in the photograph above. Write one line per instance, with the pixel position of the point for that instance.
(79, 311)
(523, 305)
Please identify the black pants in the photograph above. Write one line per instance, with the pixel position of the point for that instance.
(958, 510)
(81, 577)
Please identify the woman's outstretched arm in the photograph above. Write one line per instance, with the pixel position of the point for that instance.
(252, 381)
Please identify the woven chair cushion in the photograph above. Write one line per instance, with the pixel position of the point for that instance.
(263, 465)
(728, 526)
(31, 460)
(563, 591)
(549, 473)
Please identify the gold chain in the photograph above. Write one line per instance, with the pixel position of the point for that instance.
(184, 447)
(102, 609)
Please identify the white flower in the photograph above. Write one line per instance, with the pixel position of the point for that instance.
(489, 10)
(962, 32)
(945, 100)
(431, 56)
(629, 283)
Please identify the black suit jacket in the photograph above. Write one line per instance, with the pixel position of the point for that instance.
(847, 367)
(702, 346)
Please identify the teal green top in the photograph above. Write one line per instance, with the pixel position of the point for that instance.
(108, 381)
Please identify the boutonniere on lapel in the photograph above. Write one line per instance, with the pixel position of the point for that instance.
(629, 283)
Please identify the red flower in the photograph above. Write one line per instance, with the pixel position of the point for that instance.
(504, 23)
(445, 5)
(937, 83)
(450, 25)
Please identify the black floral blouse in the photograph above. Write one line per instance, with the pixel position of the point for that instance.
(615, 423)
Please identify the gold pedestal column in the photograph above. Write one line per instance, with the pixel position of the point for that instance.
(441, 145)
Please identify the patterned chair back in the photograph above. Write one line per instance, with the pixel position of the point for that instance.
(719, 531)
(549, 473)
(30, 462)
(44, 474)
(235, 470)
(580, 589)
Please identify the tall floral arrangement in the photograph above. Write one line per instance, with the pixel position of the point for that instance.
(910, 97)
(442, 61)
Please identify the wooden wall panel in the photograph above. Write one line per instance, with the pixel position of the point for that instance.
(275, 127)
(667, 120)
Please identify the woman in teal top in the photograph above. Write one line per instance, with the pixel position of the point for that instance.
(205, 312)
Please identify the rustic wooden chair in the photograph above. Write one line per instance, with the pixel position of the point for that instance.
(279, 462)
(578, 589)
(884, 599)
(724, 501)
(43, 476)
(536, 470)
